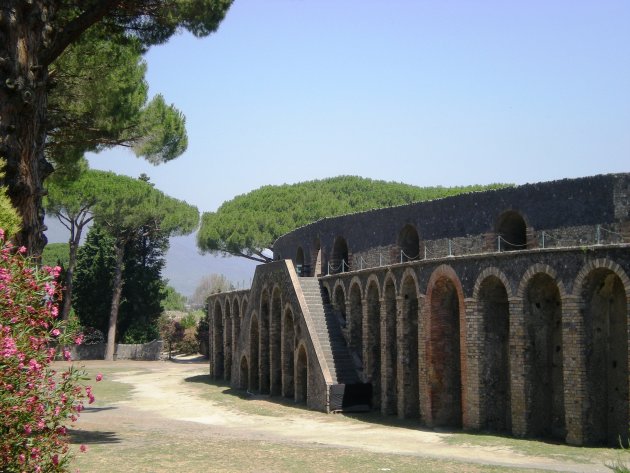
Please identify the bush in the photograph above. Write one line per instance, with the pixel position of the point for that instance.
(189, 345)
(35, 400)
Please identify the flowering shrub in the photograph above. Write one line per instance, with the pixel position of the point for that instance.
(35, 401)
(92, 336)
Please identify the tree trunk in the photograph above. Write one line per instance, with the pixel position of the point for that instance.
(24, 34)
(119, 252)
(75, 238)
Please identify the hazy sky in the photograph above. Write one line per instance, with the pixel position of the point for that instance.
(424, 92)
(433, 92)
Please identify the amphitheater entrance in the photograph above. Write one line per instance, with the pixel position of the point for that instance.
(512, 232)
(543, 320)
(445, 387)
(299, 262)
(606, 321)
(373, 348)
(411, 386)
(301, 376)
(288, 349)
(217, 341)
(494, 310)
(339, 304)
(254, 376)
(409, 243)
(244, 374)
(317, 258)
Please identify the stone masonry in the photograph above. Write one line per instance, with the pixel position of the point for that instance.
(503, 311)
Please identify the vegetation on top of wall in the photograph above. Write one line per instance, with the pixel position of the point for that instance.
(248, 225)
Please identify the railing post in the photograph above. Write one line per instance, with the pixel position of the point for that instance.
(499, 243)
(543, 239)
(380, 259)
(598, 233)
(425, 251)
(401, 256)
(328, 273)
(450, 248)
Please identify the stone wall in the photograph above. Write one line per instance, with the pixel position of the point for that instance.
(151, 351)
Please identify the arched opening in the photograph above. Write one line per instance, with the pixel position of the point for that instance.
(444, 362)
(543, 320)
(243, 309)
(299, 262)
(275, 342)
(236, 321)
(495, 397)
(254, 338)
(264, 343)
(512, 231)
(227, 340)
(409, 243)
(339, 304)
(217, 341)
(390, 370)
(605, 312)
(356, 321)
(411, 382)
(301, 376)
(373, 349)
(317, 258)
(288, 350)
(339, 259)
(244, 373)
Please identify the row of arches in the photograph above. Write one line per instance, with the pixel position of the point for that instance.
(503, 360)
(510, 230)
(275, 361)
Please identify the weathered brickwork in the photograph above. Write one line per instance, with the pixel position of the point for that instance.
(525, 339)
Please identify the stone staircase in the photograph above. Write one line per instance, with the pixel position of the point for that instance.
(328, 329)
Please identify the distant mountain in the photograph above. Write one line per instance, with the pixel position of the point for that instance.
(184, 265)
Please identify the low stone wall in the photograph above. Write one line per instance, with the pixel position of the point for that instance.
(141, 351)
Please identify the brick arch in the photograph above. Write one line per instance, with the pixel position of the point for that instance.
(542, 296)
(600, 263)
(488, 272)
(326, 286)
(372, 347)
(264, 319)
(244, 304)
(339, 297)
(237, 317)
(540, 268)
(254, 353)
(372, 279)
(389, 276)
(390, 350)
(445, 394)
(218, 354)
(301, 373)
(228, 342)
(602, 289)
(275, 347)
(491, 296)
(355, 316)
(410, 347)
(288, 351)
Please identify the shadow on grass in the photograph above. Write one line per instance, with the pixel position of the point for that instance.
(200, 359)
(241, 393)
(93, 437)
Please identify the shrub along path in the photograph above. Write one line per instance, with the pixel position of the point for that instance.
(169, 416)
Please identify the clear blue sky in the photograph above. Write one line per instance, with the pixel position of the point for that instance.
(432, 92)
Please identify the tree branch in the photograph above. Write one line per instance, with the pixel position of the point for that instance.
(75, 28)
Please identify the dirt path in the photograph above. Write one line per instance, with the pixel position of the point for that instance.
(161, 394)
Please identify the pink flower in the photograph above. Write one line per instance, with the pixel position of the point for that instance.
(56, 332)
(99, 377)
(27, 429)
(66, 354)
(22, 250)
(55, 460)
(83, 448)
(79, 340)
